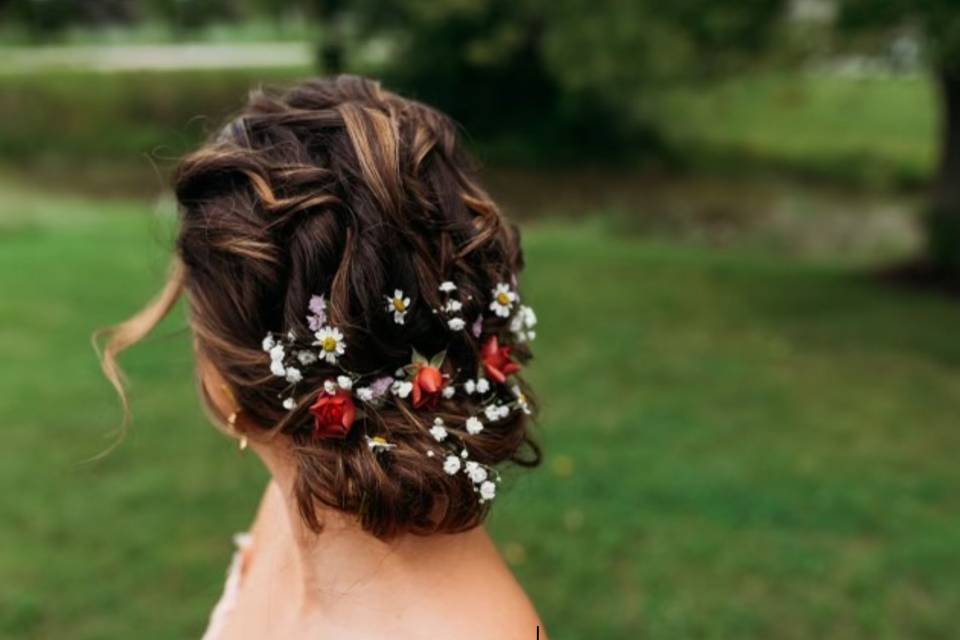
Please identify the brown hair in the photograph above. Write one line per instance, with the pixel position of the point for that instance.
(340, 188)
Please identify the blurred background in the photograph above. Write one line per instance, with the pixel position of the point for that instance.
(742, 228)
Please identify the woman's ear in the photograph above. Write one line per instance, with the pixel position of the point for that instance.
(217, 395)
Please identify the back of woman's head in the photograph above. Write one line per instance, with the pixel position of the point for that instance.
(355, 289)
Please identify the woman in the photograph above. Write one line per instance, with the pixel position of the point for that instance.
(353, 298)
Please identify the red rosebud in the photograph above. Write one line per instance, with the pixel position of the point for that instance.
(427, 386)
(333, 415)
(496, 360)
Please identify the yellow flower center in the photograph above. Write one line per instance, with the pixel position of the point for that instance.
(329, 344)
(503, 298)
(398, 304)
(378, 440)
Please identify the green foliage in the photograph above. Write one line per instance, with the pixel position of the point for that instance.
(576, 72)
(938, 21)
(737, 446)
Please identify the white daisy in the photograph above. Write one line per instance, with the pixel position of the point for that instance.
(401, 389)
(473, 425)
(331, 343)
(293, 375)
(378, 444)
(503, 300)
(451, 465)
(488, 491)
(447, 287)
(398, 305)
(438, 430)
(475, 471)
(456, 324)
(522, 401)
(306, 357)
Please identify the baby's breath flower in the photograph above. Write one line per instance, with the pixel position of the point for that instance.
(364, 393)
(483, 385)
(447, 287)
(268, 342)
(293, 375)
(401, 388)
(289, 404)
(456, 324)
(522, 324)
(448, 391)
(438, 430)
(452, 306)
(451, 465)
(344, 382)
(306, 357)
(277, 368)
(473, 425)
(488, 491)
(475, 471)
(330, 387)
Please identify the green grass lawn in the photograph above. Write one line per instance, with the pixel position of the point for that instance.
(879, 131)
(738, 446)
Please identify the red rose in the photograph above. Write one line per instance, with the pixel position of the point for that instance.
(333, 415)
(496, 360)
(427, 386)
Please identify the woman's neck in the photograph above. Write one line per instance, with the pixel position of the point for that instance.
(338, 565)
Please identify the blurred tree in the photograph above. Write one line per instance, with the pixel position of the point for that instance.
(187, 16)
(45, 19)
(938, 23)
(561, 72)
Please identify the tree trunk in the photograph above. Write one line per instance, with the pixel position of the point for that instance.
(943, 218)
(330, 53)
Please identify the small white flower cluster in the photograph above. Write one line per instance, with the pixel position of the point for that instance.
(480, 385)
(452, 308)
(376, 392)
(496, 411)
(284, 358)
(398, 304)
(484, 478)
(522, 324)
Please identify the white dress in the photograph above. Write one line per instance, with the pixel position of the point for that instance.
(218, 618)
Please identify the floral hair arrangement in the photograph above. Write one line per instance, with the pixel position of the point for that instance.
(349, 397)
